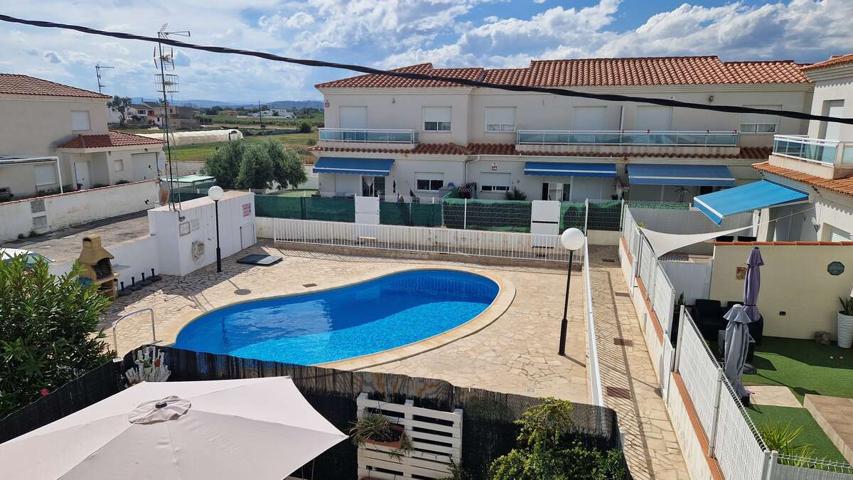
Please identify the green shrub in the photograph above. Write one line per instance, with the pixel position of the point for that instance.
(547, 449)
(48, 331)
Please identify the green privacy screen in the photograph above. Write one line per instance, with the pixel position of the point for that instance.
(411, 214)
(497, 215)
(306, 208)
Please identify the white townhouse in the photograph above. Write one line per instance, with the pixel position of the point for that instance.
(807, 189)
(396, 136)
(55, 138)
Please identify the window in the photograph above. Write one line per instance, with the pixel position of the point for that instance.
(494, 182)
(118, 165)
(589, 118)
(437, 119)
(653, 118)
(79, 120)
(500, 119)
(45, 174)
(832, 130)
(429, 182)
(754, 123)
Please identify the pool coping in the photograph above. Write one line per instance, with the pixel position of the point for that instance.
(501, 303)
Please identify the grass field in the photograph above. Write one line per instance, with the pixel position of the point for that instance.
(199, 153)
(811, 434)
(804, 367)
(313, 120)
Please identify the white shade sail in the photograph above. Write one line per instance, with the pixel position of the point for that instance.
(254, 428)
(663, 243)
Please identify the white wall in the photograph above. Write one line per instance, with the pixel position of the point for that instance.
(132, 259)
(689, 278)
(832, 84)
(36, 125)
(20, 217)
(401, 108)
(236, 228)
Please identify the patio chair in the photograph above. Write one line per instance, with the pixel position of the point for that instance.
(708, 315)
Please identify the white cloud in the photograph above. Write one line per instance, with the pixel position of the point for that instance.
(391, 33)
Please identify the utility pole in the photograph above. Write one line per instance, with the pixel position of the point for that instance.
(98, 68)
(261, 114)
(168, 85)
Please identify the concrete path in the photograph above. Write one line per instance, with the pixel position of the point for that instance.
(628, 379)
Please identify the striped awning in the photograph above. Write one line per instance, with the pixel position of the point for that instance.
(681, 175)
(379, 167)
(555, 169)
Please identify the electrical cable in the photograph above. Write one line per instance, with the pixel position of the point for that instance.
(421, 76)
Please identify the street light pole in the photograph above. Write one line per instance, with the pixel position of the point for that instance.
(564, 324)
(572, 239)
(216, 193)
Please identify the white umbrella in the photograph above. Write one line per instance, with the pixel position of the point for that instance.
(255, 428)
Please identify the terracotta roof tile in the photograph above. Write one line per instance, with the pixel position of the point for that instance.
(13, 84)
(749, 153)
(598, 72)
(107, 140)
(833, 61)
(789, 244)
(840, 185)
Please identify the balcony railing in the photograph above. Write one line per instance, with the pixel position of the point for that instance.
(628, 137)
(813, 149)
(354, 135)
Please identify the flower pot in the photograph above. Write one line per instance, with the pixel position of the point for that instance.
(845, 330)
(395, 443)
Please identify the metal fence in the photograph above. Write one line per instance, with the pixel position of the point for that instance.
(450, 212)
(417, 239)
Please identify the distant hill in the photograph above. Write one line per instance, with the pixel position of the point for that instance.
(292, 104)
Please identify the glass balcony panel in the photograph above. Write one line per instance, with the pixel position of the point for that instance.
(368, 136)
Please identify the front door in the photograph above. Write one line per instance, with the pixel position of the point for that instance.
(81, 174)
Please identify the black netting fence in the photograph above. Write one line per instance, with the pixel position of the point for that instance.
(306, 208)
(605, 215)
(411, 214)
(572, 215)
(488, 419)
(494, 215)
(660, 205)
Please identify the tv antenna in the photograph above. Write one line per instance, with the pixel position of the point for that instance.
(167, 84)
(98, 68)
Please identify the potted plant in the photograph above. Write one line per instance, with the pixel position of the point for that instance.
(378, 430)
(845, 323)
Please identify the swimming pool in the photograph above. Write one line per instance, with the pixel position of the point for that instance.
(359, 319)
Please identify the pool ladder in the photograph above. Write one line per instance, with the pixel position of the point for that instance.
(119, 319)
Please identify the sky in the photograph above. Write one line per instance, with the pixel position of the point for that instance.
(395, 33)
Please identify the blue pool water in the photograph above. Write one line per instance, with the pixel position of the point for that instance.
(347, 322)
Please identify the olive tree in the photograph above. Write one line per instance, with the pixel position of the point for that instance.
(48, 331)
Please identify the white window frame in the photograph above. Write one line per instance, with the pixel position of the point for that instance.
(494, 187)
(577, 124)
(45, 167)
(430, 177)
(638, 112)
(76, 117)
(118, 165)
(360, 108)
(759, 128)
(499, 127)
(440, 126)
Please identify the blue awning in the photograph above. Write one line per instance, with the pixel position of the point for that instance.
(554, 169)
(745, 198)
(380, 167)
(682, 175)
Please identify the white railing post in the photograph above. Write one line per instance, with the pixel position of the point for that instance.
(586, 217)
(712, 436)
(465, 214)
(771, 459)
(622, 216)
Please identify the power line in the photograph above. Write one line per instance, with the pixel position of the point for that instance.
(420, 76)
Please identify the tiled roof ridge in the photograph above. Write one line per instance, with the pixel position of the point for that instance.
(85, 93)
(110, 139)
(839, 185)
(830, 62)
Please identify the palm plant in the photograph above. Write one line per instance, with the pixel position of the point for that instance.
(846, 305)
(783, 439)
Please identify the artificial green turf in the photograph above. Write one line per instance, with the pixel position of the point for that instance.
(804, 367)
(811, 434)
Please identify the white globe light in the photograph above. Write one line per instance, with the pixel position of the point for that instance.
(572, 239)
(215, 193)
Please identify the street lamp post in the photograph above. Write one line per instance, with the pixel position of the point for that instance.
(215, 193)
(572, 239)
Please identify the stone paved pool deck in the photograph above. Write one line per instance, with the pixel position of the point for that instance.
(517, 353)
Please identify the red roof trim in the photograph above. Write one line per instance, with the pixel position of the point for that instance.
(840, 185)
(109, 140)
(832, 62)
(599, 72)
(14, 84)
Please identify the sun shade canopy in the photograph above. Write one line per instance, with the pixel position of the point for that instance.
(683, 175)
(354, 166)
(745, 198)
(555, 169)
